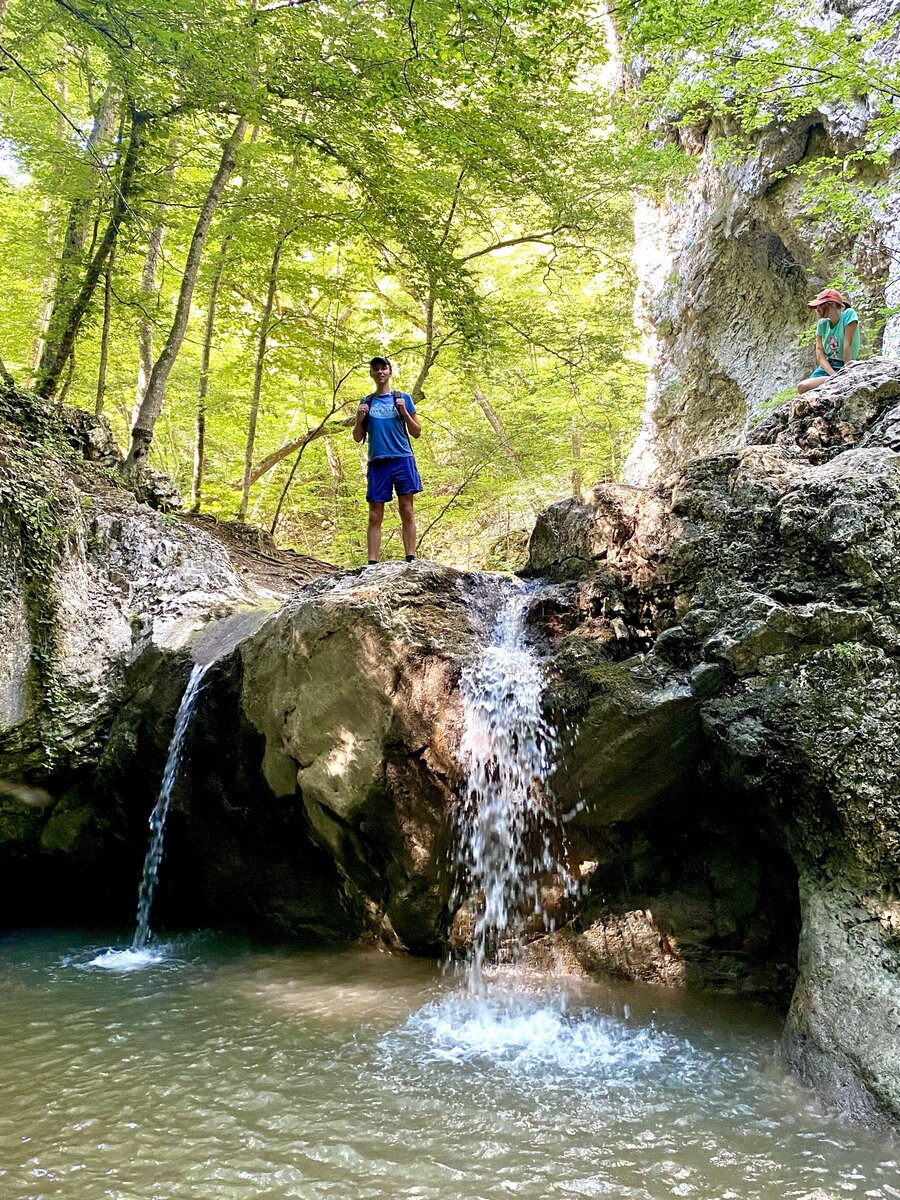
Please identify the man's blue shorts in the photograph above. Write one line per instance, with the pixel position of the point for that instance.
(386, 474)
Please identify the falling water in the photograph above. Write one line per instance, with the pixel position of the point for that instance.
(160, 812)
(508, 836)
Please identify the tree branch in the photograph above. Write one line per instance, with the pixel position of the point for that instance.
(519, 241)
(272, 460)
(104, 29)
(462, 487)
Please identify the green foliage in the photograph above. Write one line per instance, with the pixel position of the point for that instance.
(764, 64)
(450, 186)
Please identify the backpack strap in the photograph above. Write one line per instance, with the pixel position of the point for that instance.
(394, 394)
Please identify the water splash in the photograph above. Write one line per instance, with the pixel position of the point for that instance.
(524, 1034)
(508, 836)
(123, 961)
(142, 934)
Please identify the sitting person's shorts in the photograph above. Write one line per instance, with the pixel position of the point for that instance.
(837, 363)
(385, 475)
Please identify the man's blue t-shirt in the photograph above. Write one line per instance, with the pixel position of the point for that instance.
(385, 427)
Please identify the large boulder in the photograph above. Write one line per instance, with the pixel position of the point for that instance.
(772, 576)
(344, 715)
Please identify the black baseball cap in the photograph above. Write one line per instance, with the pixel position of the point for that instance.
(378, 361)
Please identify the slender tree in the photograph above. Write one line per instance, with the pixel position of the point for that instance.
(70, 273)
(208, 331)
(66, 320)
(154, 398)
(262, 344)
(149, 286)
(104, 337)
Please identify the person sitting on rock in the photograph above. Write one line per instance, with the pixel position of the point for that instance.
(837, 337)
(388, 419)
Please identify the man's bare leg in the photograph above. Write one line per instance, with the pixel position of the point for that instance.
(373, 533)
(407, 522)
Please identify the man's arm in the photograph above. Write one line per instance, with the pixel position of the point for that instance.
(410, 420)
(359, 428)
(849, 334)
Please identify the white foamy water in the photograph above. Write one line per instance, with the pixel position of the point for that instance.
(142, 934)
(127, 960)
(508, 837)
(536, 1034)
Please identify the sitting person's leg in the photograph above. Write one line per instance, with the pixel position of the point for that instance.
(819, 376)
(815, 380)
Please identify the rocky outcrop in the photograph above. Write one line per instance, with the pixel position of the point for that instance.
(722, 656)
(728, 262)
(772, 574)
(93, 585)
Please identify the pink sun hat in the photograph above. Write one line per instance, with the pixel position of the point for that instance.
(828, 296)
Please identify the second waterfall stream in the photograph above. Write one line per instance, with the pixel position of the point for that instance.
(509, 840)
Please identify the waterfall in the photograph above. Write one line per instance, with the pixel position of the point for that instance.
(508, 838)
(186, 709)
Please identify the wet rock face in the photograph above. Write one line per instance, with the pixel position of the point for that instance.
(775, 578)
(92, 583)
(348, 711)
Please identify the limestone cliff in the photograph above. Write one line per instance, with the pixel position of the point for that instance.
(727, 264)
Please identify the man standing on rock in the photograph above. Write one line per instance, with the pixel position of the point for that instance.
(837, 337)
(388, 419)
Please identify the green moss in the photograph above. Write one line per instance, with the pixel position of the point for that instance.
(588, 674)
(769, 406)
(62, 831)
(37, 516)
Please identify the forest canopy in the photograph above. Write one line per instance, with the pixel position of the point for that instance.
(212, 216)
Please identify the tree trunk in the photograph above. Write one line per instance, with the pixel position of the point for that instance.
(104, 339)
(430, 352)
(62, 339)
(273, 459)
(206, 352)
(70, 375)
(48, 284)
(203, 387)
(258, 373)
(46, 307)
(506, 445)
(576, 457)
(71, 271)
(4, 5)
(148, 289)
(152, 405)
(284, 491)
